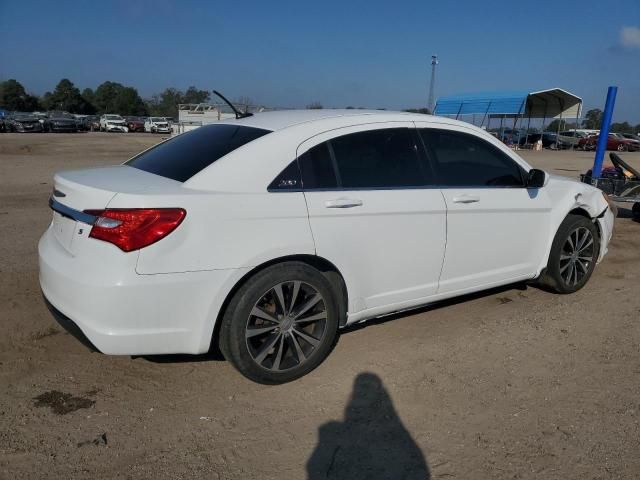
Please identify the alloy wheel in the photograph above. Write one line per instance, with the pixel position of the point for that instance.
(577, 256)
(286, 325)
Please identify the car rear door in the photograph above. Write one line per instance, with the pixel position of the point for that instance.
(374, 213)
(496, 227)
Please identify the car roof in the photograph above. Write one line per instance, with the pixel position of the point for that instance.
(281, 119)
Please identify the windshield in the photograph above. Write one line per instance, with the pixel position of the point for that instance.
(157, 119)
(189, 153)
(113, 117)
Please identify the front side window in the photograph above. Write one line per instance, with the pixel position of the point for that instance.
(464, 160)
(189, 153)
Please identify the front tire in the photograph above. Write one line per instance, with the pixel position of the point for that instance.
(573, 256)
(281, 324)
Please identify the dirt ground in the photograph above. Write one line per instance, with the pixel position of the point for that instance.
(513, 383)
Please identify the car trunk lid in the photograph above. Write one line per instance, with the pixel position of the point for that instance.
(77, 191)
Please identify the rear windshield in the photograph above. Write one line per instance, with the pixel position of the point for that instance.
(189, 153)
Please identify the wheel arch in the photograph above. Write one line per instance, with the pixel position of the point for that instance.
(324, 266)
(583, 213)
(575, 210)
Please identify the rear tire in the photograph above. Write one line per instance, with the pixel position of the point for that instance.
(635, 211)
(573, 255)
(281, 324)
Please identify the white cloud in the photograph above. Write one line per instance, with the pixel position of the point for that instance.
(630, 37)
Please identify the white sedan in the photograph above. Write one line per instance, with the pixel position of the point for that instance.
(157, 125)
(265, 235)
(113, 123)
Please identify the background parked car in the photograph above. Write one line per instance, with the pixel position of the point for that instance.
(631, 136)
(113, 123)
(615, 141)
(3, 115)
(135, 124)
(91, 123)
(570, 138)
(22, 123)
(157, 125)
(510, 136)
(81, 124)
(61, 122)
(549, 139)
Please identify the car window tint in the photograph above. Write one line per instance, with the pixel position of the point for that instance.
(289, 179)
(464, 160)
(189, 153)
(378, 159)
(317, 168)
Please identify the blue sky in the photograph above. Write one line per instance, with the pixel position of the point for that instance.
(360, 53)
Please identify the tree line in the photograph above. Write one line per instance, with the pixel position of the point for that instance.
(113, 97)
(108, 97)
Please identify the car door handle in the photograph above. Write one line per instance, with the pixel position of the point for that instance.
(343, 203)
(466, 199)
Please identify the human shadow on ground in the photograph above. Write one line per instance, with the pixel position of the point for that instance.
(370, 443)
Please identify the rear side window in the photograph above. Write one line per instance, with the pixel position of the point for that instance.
(385, 158)
(289, 179)
(189, 153)
(464, 160)
(318, 168)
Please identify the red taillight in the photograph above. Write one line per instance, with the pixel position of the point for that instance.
(133, 229)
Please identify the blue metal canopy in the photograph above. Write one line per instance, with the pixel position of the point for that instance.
(485, 103)
(551, 103)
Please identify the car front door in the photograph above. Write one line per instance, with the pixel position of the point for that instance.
(374, 213)
(496, 227)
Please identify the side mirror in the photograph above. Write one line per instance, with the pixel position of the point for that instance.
(537, 178)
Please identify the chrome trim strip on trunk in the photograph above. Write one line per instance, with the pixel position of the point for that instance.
(71, 213)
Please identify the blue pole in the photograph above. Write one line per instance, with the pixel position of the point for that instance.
(604, 132)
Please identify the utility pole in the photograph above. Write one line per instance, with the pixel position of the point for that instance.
(434, 61)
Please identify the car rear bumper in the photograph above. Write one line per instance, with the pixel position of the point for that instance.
(124, 313)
